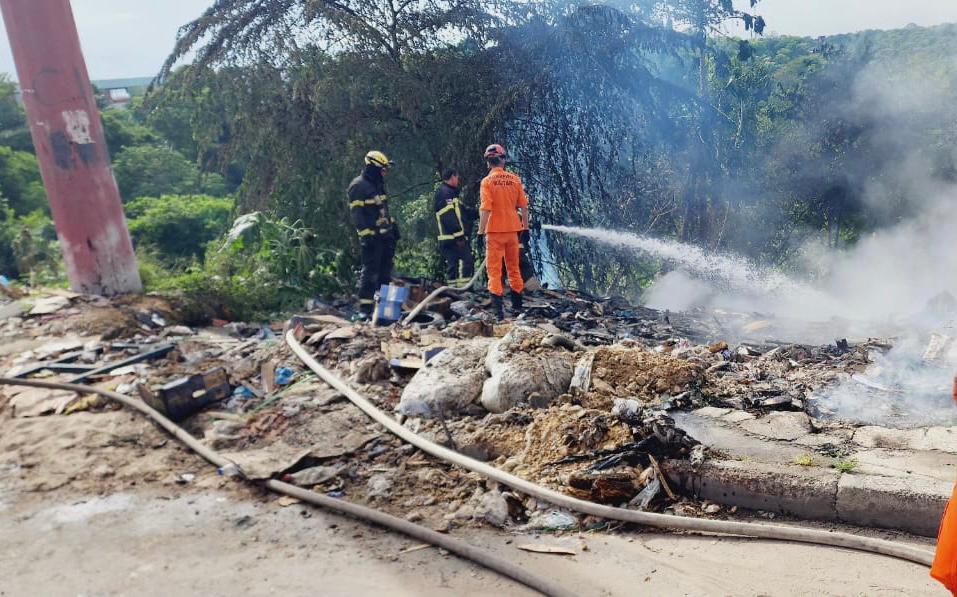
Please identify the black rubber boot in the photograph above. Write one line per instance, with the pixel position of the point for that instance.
(516, 302)
(498, 307)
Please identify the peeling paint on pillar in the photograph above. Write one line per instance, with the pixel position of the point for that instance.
(71, 148)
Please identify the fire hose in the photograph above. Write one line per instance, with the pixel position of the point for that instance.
(664, 521)
(438, 292)
(456, 546)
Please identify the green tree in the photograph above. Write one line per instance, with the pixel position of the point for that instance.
(20, 182)
(122, 131)
(151, 171)
(14, 132)
(178, 227)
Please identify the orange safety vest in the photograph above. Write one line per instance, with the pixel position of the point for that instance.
(945, 562)
(502, 194)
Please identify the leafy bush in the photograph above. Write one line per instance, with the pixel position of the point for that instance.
(122, 130)
(263, 265)
(418, 252)
(20, 181)
(29, 249)
(152, 171)
(178, 227)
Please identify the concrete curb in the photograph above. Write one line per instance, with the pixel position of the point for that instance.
(914, 505)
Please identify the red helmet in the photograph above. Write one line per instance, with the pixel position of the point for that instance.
(494, 151)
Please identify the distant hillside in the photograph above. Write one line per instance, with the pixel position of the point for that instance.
(925, 48)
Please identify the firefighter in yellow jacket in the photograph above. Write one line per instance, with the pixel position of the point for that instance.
(378, 234)
(453, 219)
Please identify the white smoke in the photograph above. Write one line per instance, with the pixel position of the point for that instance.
(899, 281)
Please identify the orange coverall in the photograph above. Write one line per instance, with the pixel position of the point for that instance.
(945, 562)
(502, 194)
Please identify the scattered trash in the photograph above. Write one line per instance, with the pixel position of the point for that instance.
(286, 501)
(550, 549)
(316, 475)
(284, 376)
(379, 486)
(551, 520)
(644, 497)
(419, 547)
(185, 396)
(576, 395)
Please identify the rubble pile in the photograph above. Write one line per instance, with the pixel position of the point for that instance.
(637, 373)
(574, 395)
(784, 376)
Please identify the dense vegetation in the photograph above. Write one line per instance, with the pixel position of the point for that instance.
(632, 116)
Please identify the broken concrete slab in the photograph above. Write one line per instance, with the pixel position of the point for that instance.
(448, 383)
(738, 416)
(731, 439)
(786, 426)
(884, 437)
(914, 505)
(906, 464)
(49, 304)
(334, 434)
(712, 412)
(36, 402)
(831, 436)
(13, 309)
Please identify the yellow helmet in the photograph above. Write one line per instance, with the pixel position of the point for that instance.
(377, 158)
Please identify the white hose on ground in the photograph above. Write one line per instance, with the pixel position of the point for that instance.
(435, 294)
(744, 529)
(460, 548)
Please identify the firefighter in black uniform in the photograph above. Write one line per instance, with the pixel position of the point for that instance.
(378, 234)
(453, 219)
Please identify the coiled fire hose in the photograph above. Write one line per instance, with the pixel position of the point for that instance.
(460, 548)
(438, 292)
(665, 521)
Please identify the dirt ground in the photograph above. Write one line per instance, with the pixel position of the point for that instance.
(155, 541)
(106, 504)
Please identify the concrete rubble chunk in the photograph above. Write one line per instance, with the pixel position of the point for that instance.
(712, 412)
(449, 383)
(379, 486)
(516, 371)
(738, 416)
(49, 304)
(494, 508)
(785, 426)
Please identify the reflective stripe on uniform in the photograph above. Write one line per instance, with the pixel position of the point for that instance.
(363, 202)
(445, 209)
(366, 302)
(366, 232)
(454, 206)
(458, 234)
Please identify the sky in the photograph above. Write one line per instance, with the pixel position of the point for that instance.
(131, 38)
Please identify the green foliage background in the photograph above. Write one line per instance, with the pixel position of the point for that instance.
(631, 115)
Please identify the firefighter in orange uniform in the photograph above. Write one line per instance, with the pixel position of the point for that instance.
(503, 214)
(945, 562)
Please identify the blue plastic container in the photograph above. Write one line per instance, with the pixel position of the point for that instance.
(391, 299)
